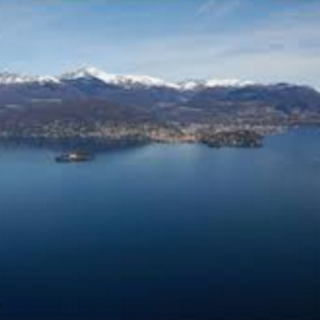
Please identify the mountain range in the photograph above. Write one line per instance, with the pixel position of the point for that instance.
(92, 98)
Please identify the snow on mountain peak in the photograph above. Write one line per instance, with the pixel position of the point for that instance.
(11, 78)
(8, 78)
(47, 79)
(117, 79)
(125, 81)
(227, 83)
(143, 80)
(193, 85)
(89, 72)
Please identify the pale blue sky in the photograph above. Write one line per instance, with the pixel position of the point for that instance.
(259, 40)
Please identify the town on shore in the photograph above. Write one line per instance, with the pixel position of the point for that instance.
(73, 134)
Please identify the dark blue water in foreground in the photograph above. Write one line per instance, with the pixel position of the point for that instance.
(163, 232)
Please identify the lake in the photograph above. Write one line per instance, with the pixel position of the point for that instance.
(163, 232)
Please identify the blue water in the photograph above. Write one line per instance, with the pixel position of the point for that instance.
(163, 232)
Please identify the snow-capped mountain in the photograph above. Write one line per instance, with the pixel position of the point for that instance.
(129, 81)
(228, 83)
(196, 85)
(87, 73)
(7, 78)
(125, 81)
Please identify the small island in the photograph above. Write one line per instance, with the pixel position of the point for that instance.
(234, 139)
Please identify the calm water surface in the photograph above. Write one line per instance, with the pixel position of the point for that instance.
(163, 232)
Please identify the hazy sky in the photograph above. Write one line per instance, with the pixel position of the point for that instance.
(260, 40)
